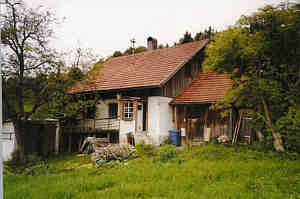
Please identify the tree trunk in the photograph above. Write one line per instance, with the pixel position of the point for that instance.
(19, 133)
(260, 136)
(277, 139)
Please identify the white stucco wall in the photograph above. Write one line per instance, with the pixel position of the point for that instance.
(159, 118)
(125, 128)
(102, 108)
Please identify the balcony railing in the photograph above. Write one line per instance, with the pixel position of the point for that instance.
(93, 125)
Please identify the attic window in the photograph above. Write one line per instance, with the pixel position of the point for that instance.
(128, 110)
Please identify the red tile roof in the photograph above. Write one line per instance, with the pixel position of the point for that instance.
(147, 69)
(205, 88)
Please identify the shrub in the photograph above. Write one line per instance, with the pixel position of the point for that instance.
(145, 150)
(289, 127)
(167, 141)
(33, 159)
(167, 153)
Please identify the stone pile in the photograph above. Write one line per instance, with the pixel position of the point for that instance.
(112, 154)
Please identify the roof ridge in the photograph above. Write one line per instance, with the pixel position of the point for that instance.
(142, 69)
(156, 50)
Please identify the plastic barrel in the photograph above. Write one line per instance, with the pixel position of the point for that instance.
(175, 136)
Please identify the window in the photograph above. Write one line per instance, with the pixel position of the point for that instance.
(128, 111)
(113, 110)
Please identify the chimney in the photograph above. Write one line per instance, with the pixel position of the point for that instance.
(151, 43)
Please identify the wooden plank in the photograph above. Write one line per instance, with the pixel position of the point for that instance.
(57, 138)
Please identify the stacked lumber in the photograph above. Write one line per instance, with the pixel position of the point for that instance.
(112, 154)
(101, 142)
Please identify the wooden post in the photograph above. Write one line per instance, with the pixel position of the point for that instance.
(176, 117)
(230, 126)
(187, 131)
(57, 137)
(70, 143)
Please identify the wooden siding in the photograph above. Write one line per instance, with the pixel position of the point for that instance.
(196, 118)
(183, 77)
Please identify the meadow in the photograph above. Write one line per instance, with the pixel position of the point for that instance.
(210, 171)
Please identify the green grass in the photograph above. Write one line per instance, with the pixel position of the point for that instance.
(200, 172)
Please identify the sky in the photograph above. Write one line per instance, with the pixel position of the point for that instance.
(109, 25)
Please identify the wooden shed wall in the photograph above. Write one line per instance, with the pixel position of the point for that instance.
(196, 118)
(183, 77)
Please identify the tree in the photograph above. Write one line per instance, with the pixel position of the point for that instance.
(83, 58)
(117, 54)
(137, 50)
(187, 37)
(262, 54)
(206, 34)
(26, 32)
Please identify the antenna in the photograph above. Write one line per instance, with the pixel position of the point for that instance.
(133, 45)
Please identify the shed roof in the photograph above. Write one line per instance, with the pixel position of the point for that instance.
(205, 88)
(148, 69)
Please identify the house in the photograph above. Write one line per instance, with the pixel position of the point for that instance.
(147, 94)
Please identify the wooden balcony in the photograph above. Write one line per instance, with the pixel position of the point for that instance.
(93, 126)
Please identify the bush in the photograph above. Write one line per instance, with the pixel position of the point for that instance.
(145, 150)
(33, 159)
(167, 141)
(167, 153)
(289, 127)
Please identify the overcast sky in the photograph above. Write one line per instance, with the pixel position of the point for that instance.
(108, 25)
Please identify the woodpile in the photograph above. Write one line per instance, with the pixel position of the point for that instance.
(112, 154)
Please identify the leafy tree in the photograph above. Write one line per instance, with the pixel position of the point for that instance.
(26, 33)
(83, 58)
(137, 50)
(187, 37)
(206, 34)
(262, 54)
(117, 54)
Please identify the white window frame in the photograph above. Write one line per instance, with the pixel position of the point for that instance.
(128, 110)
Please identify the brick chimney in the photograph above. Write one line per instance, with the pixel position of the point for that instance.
(151, 43)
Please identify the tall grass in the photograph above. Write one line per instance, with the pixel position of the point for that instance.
(200, 172)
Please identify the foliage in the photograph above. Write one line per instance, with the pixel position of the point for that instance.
(117, 54)
(145, 150)
(26, 33)
(211, 171)
(167, 153)
(83, 59)
(206, 34)
(289, 126)
(262, 55)
(187, 37)
(129, 51)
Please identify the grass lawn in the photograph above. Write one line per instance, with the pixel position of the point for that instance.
(200, 172)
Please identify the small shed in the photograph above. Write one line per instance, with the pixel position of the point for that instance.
(192, 113)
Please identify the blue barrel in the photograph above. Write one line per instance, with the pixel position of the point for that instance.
(175, 136)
